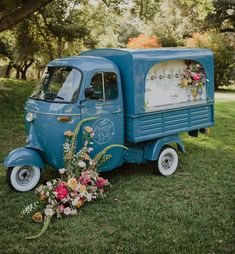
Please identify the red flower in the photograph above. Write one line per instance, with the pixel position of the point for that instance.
(196, 77)
(101, 182)
(61, 191)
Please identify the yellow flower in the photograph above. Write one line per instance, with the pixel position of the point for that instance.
(88, 129)
(184, 82)
(72, 183)
(37, 217)
(68, 134)
(82, 188)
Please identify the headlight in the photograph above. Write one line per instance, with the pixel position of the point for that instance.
(29, 117)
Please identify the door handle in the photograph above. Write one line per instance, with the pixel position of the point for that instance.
(117, 111)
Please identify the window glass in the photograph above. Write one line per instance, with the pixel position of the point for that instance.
(105, 86)
(58, 84)
(97, 85)
(111, 86)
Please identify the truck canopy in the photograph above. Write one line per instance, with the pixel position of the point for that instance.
(134, 65)
(155, 103)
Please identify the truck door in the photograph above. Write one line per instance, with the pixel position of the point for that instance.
(107, 104)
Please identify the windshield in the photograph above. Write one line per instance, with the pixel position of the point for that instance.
(60, 84)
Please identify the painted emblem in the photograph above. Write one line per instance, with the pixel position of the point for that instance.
(103, 131)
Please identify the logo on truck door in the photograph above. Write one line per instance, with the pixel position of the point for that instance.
(103, 131)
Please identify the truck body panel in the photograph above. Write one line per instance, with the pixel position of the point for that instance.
(141, 123)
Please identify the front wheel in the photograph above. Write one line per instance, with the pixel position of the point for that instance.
(23, 178)
(167, 161)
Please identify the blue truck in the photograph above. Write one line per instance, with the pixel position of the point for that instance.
(142, 99)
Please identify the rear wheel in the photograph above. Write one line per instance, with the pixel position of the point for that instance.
(23, 178)
(167, 161)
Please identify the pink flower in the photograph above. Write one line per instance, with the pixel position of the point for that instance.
(85, 178)
(61, 208)
(101, 182)
(196, 77)
(61, 191)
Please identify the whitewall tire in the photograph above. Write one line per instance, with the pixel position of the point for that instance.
(167, 161)
(23, 178)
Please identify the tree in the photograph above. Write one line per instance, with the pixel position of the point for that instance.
(223, 54)
(223, 17)
(143, 41)
(12, 12)
(176, 20)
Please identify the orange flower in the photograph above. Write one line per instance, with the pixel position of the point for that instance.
(79, 204)
(43, 197)
(68, 134)
(37, 217)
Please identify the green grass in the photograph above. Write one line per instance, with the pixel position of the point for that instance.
(190, 212)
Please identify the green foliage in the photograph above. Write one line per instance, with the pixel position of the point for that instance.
(223, 54)
(46, 224)
(222, 18)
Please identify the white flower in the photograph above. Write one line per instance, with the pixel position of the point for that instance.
(73, 212)
(62, 170)
(49, 212)
(39, 189)
(49, 185)
(75, 201)
(81, 164)
(90, 149)
(89, 197)
(67, 211)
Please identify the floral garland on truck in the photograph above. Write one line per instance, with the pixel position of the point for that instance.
(193, 80)
(79, 183)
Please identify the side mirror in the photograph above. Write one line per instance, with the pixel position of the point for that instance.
(89, 92)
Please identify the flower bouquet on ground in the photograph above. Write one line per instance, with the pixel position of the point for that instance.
(79, 183)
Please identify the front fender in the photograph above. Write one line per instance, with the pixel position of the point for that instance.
(24, 157)
(153, 148)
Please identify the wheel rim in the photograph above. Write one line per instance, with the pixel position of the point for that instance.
(167, 161)
(25, 175)
(24, 178)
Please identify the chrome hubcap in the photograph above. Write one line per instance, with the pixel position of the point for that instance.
(25, 175)
(167, 161)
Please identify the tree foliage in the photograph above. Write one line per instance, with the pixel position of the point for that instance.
(14, 11)
(224, 61)
(223, 17)
(65, 27)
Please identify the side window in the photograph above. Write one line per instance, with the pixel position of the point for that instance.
(111, 86)
(105, 86)
(97, 85)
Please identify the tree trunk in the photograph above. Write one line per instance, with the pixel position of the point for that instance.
(8, 70)
(23, 74)
(59, 47)
(24, 68)
(17, 73)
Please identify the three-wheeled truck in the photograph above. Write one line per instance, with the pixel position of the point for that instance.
(143, 99)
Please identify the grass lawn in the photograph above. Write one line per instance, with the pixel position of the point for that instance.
(189, 212)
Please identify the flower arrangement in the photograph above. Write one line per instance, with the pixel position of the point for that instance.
(79, 183)
(193, 80)
(194, 77)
